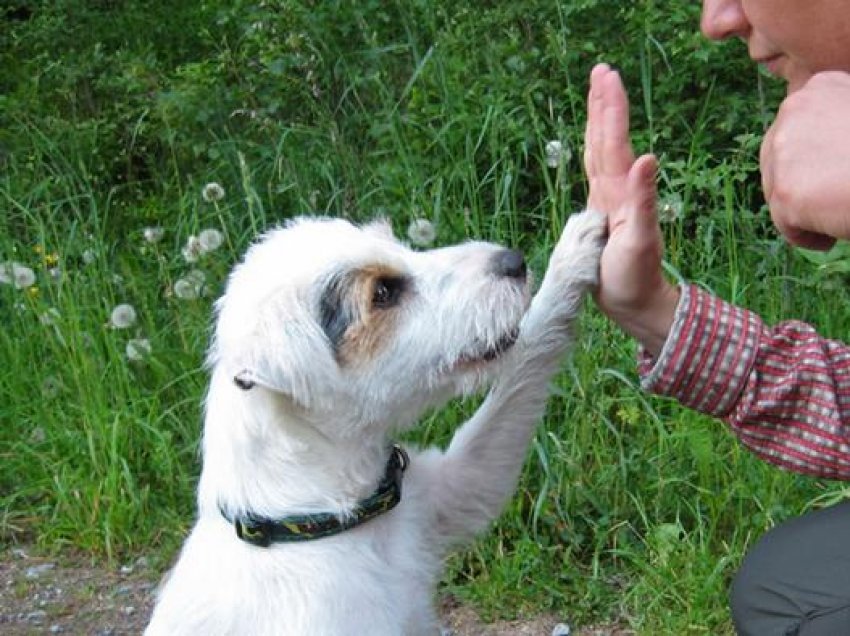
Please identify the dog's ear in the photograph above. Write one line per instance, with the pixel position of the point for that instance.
(247, 379)
(248, 373)
(283, 363)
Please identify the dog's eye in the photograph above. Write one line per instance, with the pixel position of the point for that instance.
(387, 292)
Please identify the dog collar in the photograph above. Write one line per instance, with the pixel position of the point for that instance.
(263, 532)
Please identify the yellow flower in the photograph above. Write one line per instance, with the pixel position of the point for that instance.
(49, 260)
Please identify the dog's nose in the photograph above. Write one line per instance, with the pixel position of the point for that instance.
(509, 263)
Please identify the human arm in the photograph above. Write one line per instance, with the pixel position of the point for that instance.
(805, 162)
(784, 390)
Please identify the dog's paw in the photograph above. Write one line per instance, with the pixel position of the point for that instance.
(588, 225)
(573, 270)
(575, 260)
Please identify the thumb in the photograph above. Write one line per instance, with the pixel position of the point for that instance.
(766, 159)
(641, 192)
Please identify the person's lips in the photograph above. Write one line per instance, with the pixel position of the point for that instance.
(772, 64)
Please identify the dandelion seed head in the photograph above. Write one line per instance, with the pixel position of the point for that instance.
(185, 290)
(192, 250)
(190, 286)
(421, 232)
(122, 317)
(50, 317)
(138, 349)
(16, 274)
(212, 192)
(210, 240)
(196, 276)
(89, 256)
(670, 209)
(557, 153)
(153, 234)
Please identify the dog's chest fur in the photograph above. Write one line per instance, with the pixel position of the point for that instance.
(376, 579)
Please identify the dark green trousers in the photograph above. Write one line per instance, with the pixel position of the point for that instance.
(796, 579)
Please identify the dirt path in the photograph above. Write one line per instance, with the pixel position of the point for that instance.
(69, 595)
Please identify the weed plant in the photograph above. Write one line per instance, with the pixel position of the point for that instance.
(114, 116)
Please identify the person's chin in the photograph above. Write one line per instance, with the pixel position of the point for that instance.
(793, 85)
(795, 80)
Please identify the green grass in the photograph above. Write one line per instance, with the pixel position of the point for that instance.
(630, 506)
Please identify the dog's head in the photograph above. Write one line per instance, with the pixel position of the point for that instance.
(348, 322)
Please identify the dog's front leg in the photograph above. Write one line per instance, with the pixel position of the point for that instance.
(480, 469)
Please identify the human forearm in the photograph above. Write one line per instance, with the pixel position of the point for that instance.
(785, 391)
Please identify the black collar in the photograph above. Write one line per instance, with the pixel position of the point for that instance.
(263, 532)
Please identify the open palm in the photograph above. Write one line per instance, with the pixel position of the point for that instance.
(632, 291)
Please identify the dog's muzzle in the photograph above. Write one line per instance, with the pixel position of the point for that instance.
(509, 263)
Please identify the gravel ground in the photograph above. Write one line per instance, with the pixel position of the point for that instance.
(67, 594)
(70, 595)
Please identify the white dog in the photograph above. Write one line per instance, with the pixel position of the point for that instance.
(330, 338)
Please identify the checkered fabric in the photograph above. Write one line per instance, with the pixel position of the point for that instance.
(784, 390)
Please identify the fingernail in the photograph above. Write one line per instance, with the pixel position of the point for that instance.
(597, 67)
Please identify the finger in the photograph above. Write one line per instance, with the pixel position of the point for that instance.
(808, 239)
(593, 129)
(642, 194)
(814, 241)
(766, 162)
(615, 149)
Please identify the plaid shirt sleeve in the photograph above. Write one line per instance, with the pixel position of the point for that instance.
(785, 391)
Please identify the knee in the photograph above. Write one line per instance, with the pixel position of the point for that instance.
(759, 600)
(745, 598)
(795, 580)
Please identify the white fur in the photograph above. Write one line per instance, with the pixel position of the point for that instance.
(312, 435)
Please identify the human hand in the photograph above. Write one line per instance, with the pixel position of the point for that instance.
(633, 291)
(805, 163)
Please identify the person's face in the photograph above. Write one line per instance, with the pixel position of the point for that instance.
(794, 39)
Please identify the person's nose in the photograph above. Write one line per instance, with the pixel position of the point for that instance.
(722, 19)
